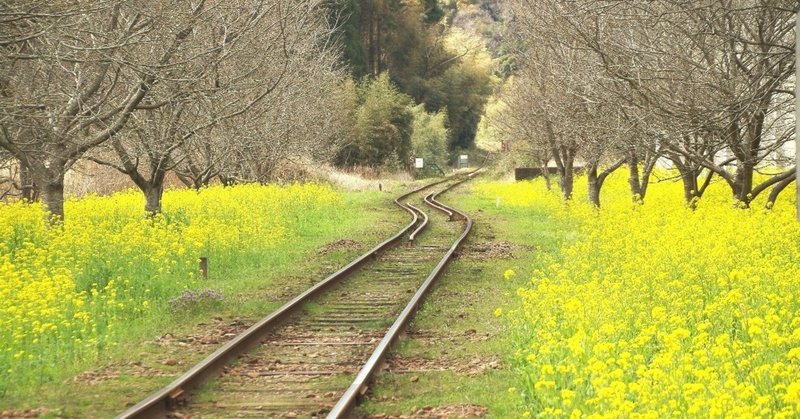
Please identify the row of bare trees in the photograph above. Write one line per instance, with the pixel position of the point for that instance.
(202, 89)
(706, 85)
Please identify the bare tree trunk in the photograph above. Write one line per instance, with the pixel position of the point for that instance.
(594, 185)
(378, 40)
(152, 185)
(690, 186)
(54, 199)
(152, 196)
(743, 185)
(565, 160)
(797, 107)
(28, 189)
(689, 178)
(196, 182)
(596, 180)
(645, 181)
(633, 177)
(50, 181)
(226, 180)
(567, 180)
(546, 175)
(371, 44)
(773, 194)
(371, 39)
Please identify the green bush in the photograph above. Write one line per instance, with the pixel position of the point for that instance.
(383, 126)
(429, 138)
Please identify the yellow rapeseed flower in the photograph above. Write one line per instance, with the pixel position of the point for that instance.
(64, 290)
(658, 310)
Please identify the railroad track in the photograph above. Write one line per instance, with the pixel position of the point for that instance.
(314, 356)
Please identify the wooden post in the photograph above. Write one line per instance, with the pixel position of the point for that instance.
(204, 267)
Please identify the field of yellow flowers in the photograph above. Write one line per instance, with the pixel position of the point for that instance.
(66, 290)
(656, 310)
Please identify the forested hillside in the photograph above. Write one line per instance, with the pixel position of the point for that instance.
(432, 51)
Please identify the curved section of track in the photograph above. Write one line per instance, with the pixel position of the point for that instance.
(359, 386)
(298, 360)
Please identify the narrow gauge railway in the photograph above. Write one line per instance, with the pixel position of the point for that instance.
(314, 356)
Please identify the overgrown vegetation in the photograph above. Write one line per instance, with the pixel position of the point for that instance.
(429, 138)
(383, 127)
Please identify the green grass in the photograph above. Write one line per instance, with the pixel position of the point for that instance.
(137, 364)
(461, 309)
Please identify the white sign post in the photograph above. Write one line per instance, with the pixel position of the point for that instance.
(463, 161)
(419, 163)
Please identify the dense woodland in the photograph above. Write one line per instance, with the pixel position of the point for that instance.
(220, 91)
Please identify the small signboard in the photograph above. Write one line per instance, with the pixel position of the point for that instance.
(463, 161)
(419, 163)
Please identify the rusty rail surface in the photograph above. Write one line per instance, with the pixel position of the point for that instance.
(165, 400)
(421, 226)
(352, 395)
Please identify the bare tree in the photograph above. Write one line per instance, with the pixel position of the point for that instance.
(8, 182)
(537, 102)
(298, 117)
(252, 48)
(77, 72)
(154, 82)
(306, 127)
(711, 78)
(146, 150)
(557, 87)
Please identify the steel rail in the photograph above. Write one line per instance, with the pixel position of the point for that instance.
(428, 200)
(421, 227)
(165, 400)
(358, 387)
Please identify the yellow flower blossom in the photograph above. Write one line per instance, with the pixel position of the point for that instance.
(657, 310)
(65, 290)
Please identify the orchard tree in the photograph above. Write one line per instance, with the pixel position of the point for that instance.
(728, 105)
(193, 125)
(74, 74)
(706, 85)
